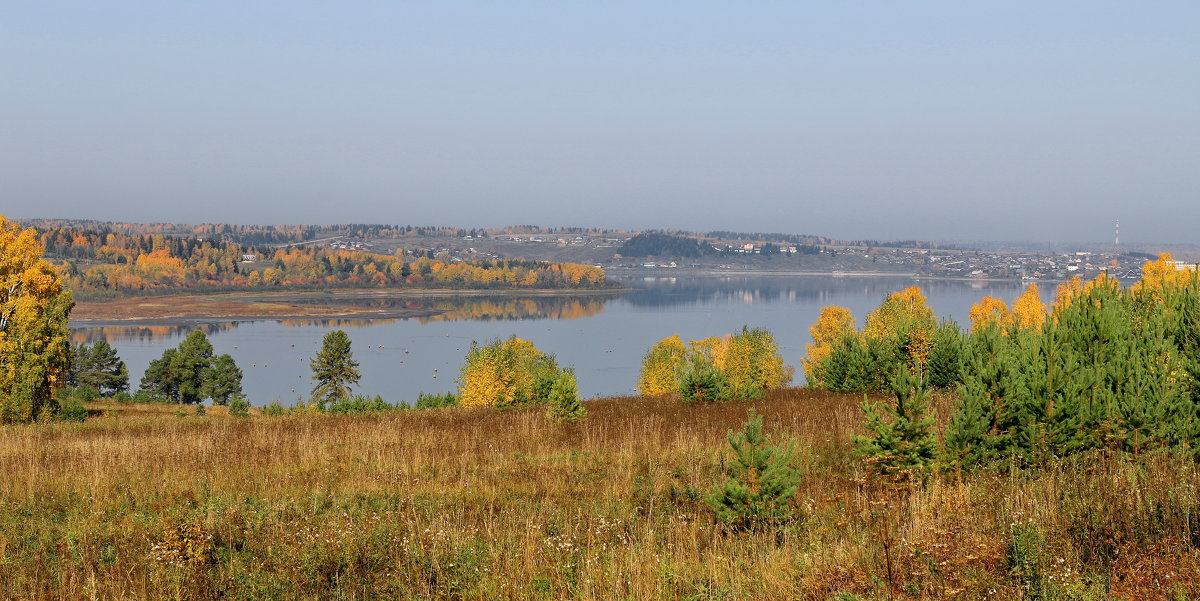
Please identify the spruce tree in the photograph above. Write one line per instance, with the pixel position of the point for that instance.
(762, 481)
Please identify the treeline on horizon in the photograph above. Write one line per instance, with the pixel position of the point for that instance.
(282, 234)
(258, 234)
(98, 261)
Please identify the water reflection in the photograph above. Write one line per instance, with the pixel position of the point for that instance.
(426, 310)
(114, 334)
(751, 289)
(550, 307)
(652, 293)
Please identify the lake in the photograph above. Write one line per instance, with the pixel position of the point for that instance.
(602, 337)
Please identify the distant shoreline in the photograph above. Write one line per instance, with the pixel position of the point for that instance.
(709, 271)
(177, 309)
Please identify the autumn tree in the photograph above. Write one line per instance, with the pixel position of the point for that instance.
(832, 324)
(990, 310)
(708, 352)
(1028, 310)
(505, 373)
(753, 364)
(663, 367)
(334, 368)
(905, 323)
(1065, 293)
(35, 349)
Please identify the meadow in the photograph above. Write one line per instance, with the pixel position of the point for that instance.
(141, 503)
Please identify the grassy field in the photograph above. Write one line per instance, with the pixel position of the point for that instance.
(138, 503)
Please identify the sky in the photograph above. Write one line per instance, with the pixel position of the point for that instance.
(942, 120)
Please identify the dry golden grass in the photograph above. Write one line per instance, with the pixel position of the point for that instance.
(486, 504)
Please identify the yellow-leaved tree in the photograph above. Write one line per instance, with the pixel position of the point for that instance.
(832, 324)
(1028, 310)
(35, 345)
(753, 365)
(1159, 277)
(662, 367)
(1065, 293)
(709, 351)
(747, 363)
(904, 313)
(503, 373)
(990, 310)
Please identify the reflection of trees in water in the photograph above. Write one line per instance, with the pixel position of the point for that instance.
(339, 323)
(455, 308)
(90, 335)
(550, 307)
(437, 309)
(674, 291)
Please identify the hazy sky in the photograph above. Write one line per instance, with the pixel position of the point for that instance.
(946, 120)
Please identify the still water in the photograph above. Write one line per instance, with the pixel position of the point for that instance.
(602, 337)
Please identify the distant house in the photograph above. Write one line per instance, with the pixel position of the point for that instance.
(249, 258)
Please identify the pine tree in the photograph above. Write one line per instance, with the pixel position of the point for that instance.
(334, 368)
(181, 374)
(564, 399)
(704, 384)
(159, 378)
(762, 481)
(903, 444)
(847, 367)
(191, 364)
(223, 381)
(945, 360)
(98, 366)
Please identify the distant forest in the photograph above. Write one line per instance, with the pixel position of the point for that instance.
(659, 244)
(101, 262)
(656, 244)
